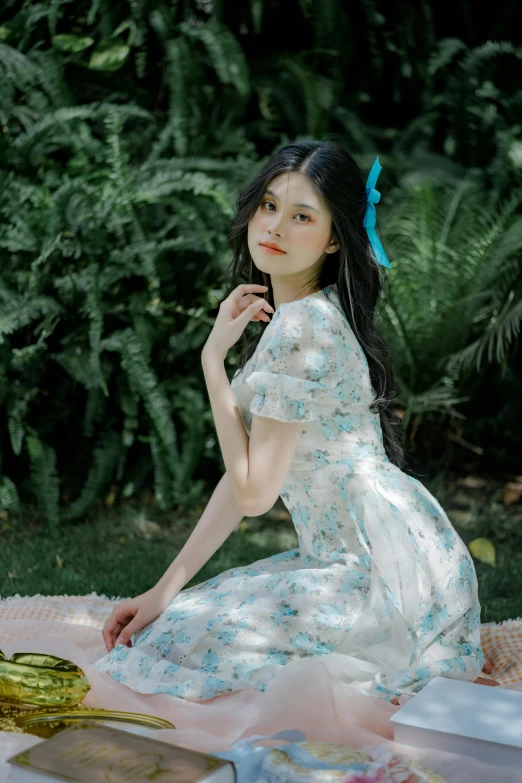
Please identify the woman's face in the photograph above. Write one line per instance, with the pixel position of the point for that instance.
(293, 216)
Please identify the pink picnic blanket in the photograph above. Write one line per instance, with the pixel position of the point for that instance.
(323, 707)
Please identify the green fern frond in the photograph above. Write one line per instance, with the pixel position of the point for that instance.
(73, 205)
(16, 414)
(23, 24)
(144, 382)
(500, 332)
(188, 215)
(44, 478)
(453, 254)
(137, 477)
(105, 457)
(28, 356)
(95, 409)
(93, 309)
(49, 248)
(161, 144)
(76, 361)
(305, 110)
(117, 158)
(17, 66)
(501, 243)
(148, 259)
(163, 481)
(197, 183)
(9, 499)
(93, 11)
(54, 13)
(51, 78)
(316, 92)
(160, 23)
(256, 12)
(190, 407)
(224, 51)
(66, 115)
(178, 59)
(4, 382)
(19, 313)
(140, 36)
(129, 403)
(440, 398)
(487, 51)
(361, 136)
(444, 53)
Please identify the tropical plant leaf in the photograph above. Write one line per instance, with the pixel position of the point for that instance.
(109, 55)
(484, 550)
(68, 42)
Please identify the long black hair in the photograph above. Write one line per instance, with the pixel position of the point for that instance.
(338, 180)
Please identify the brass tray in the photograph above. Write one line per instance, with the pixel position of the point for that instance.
(47, 723)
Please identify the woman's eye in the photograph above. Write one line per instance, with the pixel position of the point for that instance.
(300, 214)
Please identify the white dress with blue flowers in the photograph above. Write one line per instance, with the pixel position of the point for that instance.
(380, 586)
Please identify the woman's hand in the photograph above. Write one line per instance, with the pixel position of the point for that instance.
(235, 312)
(486, 681)
(131, 616)
(487, 668)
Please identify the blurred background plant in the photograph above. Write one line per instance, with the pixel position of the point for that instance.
(127, 130)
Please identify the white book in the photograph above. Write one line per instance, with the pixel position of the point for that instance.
(481, 721)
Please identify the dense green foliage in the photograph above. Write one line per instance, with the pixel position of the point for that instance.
(453, 313)
(127, 130)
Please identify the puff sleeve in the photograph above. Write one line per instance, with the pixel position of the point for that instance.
(294, 371)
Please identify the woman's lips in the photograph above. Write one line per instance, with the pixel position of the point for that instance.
(272, 250)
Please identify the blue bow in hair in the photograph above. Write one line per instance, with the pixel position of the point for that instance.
(373, 197)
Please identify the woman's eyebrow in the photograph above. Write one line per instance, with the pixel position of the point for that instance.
(306, 206)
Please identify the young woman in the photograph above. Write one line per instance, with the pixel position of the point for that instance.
(380, 586)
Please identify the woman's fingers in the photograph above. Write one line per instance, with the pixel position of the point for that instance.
(108, 626)
(108, 633)
(260, 308)
(249, 299)
(485, 681)
(118, 619)
(245, 287)
(246, 292)
(112, 634)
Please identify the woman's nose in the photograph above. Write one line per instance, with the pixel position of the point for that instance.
(274, 226)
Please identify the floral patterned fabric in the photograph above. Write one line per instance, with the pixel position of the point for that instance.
(380, 586)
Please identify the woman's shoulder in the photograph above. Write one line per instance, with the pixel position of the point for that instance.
(309, 308)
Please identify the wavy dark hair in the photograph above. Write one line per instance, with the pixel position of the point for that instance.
(337, 179)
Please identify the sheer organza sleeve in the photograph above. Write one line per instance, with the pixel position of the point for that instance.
(295, 368)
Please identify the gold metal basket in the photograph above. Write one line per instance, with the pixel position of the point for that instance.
(40, 680)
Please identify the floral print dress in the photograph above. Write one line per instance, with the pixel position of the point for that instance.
(380, 586)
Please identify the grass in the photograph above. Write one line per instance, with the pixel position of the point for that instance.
(123, 552)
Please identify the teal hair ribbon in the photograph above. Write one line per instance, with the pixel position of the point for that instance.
(372, 198)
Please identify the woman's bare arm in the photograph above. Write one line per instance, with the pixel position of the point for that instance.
(221, 516)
